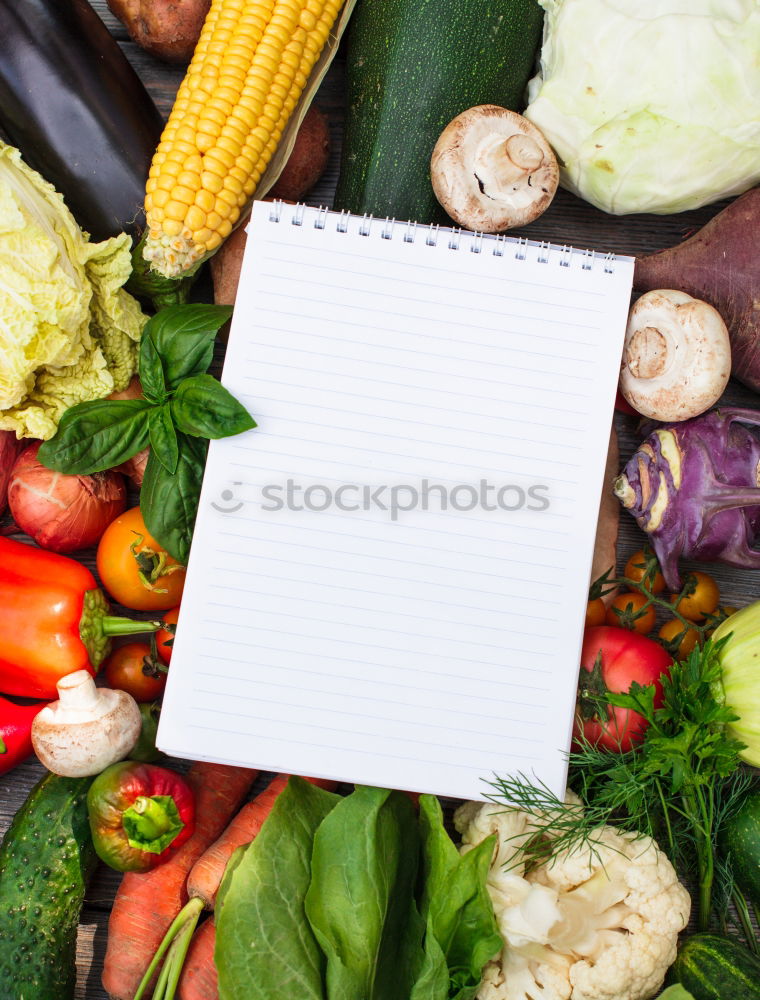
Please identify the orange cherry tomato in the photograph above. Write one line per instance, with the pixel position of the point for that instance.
(702, 598)
(134, 569)
(131, 668)
(625, 610)
(596, 612)
(165, 637)
(670, 632)
(639, 564)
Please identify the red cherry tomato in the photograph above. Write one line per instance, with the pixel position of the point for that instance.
(131, 668)
(611, 659)
(165, 636)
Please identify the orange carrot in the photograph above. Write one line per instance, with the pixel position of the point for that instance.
(203, 884)
(199, 978)
(148, 902)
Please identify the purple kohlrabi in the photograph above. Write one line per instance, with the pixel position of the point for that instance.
(693, 488)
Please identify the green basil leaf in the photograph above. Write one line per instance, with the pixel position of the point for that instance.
(151, 370)
(163, 438)
(360, 903)
(184, 338)
(204, 408)
(264, 945)
(169, 503)
(96, 436)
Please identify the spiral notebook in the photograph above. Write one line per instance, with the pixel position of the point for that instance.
(388, 576)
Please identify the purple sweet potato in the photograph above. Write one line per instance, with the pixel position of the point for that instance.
(168, 29)
(720, 264)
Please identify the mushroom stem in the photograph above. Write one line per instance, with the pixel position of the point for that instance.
(77, 692)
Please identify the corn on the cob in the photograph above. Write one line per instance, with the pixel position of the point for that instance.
(249, 68)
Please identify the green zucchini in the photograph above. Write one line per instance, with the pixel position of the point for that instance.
(412, 66)
(46, 860)
(740, 844)
(711, 967)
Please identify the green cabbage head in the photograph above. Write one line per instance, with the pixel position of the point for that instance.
(651, 105)
(68, 330)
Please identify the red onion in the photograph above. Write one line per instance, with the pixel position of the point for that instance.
(63, 513)
(10, 446)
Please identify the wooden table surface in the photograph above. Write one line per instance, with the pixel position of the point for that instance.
(568, 221)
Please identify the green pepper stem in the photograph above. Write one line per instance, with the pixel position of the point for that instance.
(114, 625)
(152, 823)
(96, 626)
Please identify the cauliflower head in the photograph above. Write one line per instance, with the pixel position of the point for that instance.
(68, 330)
(597, 922)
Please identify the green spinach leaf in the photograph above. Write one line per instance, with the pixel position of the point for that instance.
(163, 438)
(264, 945)
(204, 408)
(360, 903)
(169, 502)
(96, 436)
(183, 336)
(456, 903)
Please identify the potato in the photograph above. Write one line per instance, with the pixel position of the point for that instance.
(308, 160)
(168, 29)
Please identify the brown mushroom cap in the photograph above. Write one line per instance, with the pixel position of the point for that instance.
(492, 170)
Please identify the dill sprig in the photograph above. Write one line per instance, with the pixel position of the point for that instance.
(678, 785)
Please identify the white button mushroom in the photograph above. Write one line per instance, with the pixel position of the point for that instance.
(676, 356)
(492, 170)
(87, 730)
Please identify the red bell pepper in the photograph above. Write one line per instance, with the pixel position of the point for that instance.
(16, 732)
(53, 620)
(139, 815)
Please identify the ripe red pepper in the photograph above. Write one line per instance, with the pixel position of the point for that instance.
(53, 620)
(16, 732)
(139, 815)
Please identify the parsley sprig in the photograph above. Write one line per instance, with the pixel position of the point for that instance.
(678, 785)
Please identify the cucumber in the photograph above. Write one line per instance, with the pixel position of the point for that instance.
(412, 66)
(740, 844)
(46, 860)
(716, 968)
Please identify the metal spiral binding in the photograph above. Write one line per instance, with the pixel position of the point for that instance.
(298, 215)
(432, 237)
(432, 234)
(386, 233)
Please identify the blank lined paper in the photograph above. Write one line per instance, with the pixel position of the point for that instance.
(388, 577)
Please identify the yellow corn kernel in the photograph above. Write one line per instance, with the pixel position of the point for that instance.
(249, 68)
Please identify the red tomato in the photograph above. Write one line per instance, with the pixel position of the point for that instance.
(131, 668)
(611, 659)
(165, 637)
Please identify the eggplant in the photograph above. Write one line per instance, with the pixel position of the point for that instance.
(73, 105)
